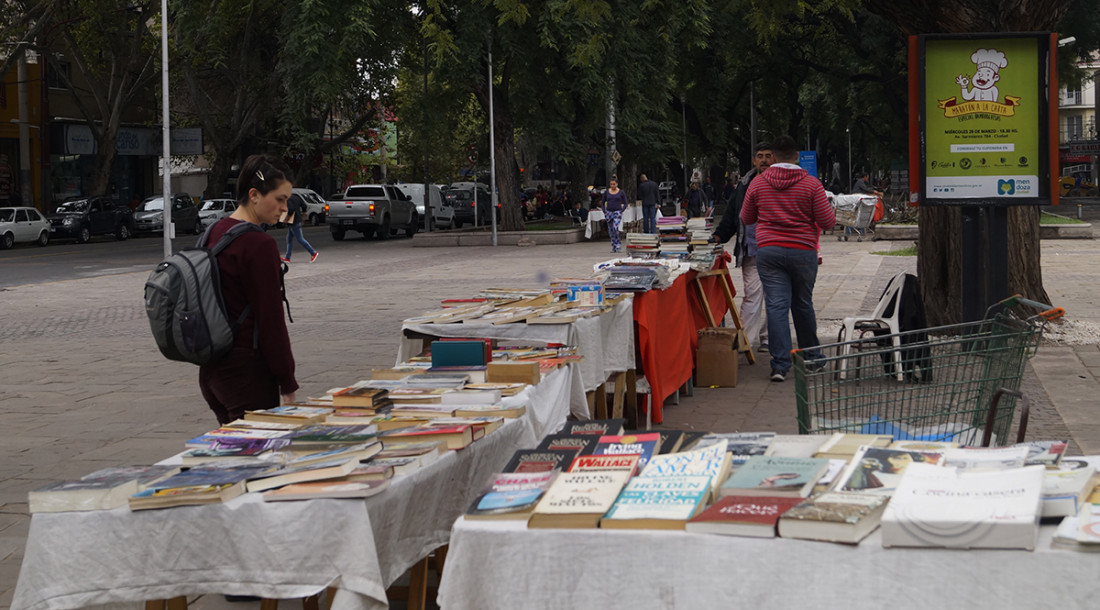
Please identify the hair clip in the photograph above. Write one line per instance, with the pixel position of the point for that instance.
(260, 175)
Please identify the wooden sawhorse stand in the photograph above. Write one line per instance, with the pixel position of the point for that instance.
(724, 279)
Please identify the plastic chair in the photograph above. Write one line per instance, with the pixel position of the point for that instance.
(884, 317)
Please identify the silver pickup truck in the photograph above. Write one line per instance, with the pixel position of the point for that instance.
(372, 209)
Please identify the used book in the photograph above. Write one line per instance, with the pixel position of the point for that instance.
(1070, 534)
(879, 470)
(360, 396)
(742, 445)
(100, 490)
(424, 452)
(754, 516)
(796, 445)
(712, 460)
(290, 414)
(665, 502)
(1045, 453)
(603, 463)
(598, 427)
(316, 471)
(578, 499)
(763, 475)
(359, 451)
(581, 444)
(512, 495)
(328, 436)
(644, 445)
(941, 506)
(258, 449)
(220, 435)
(985, 458)
(456, 437)
(195, 487)
(1065, 491)
(315, 490)
(834, 516)
(539, 460)
(497, 410)
(844, 445)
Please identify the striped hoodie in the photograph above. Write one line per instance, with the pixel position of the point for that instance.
(789, 208)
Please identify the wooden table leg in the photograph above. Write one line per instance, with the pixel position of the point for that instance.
(620, 395)
(599, 410)
(630, 412)
(176, 603)
(269, 604)
(418, 585)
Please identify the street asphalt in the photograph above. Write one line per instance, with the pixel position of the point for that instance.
(84, 386)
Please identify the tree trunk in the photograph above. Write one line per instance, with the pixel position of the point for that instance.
(100, 178)
(511, 216)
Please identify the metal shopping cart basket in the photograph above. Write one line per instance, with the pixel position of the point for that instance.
(855, 213)
(955, 383)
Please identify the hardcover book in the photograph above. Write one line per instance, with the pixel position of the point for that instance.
(511, 495)
(360, 396)
(316, 471)
(1065, 491)
(763, 475)
(602, 463)
(644, 445)
(291, 414)
(328, 436)
(578, 499)
(937, 506)
(456, 437)
(196, 486)
(598, 427)
(581, 444)
(844, 445)
(666, 502)
(754, 516)
(879, 470)
(742, 445)
(1045, 453)
(985, 458)
(796, 445)
(497, 410)
(539, 460)
(314, 490)
(834, 516)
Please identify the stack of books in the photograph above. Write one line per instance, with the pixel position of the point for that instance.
(673, 237)
(642, 245)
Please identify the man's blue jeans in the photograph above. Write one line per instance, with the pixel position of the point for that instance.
(788, 276)
(294, 233)
(649, 219)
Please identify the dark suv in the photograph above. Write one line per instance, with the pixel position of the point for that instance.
(462, 200)
(149, 216)
(83, 218)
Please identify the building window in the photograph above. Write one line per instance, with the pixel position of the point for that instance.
(1073, 97)
(58, 74)
(1075, 127)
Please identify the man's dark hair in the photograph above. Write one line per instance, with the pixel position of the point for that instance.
(784, 148)
(762, 146)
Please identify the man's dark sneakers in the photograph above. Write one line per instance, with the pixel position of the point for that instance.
(778, 375)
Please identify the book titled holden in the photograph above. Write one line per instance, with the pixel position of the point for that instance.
(195, 487)
(100, 490)
(292, 414)
(666, 502)
(834, 516)
(578, 499)
(599, 427)
(941, 506)
(539, 460)
(763, 475)
(644, 445)
(754, 516)
(712, 460)
(315, 490)
(512, 495)
(579, 444)
(456, 437)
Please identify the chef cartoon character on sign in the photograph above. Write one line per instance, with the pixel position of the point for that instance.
(989, 63)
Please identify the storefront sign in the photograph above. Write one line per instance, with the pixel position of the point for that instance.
(807, 160)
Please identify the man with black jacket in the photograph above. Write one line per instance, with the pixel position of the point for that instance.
(647, 192)
(744, 251)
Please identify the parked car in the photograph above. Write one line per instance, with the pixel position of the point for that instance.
(315, 205)
(83, 218)
(443, 216)
(372, 209)
(149, 216)
(461, 199)
(214, 210)
(23, 225)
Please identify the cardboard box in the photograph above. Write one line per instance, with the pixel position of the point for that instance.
(716, 358)
(513, 372)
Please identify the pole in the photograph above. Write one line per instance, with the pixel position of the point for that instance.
(166, 143)
(493, 196)
(683, 116)
(24, 133)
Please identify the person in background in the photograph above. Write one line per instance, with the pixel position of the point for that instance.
(259, 370)
(296, 210)
(708, 194)
(790, 209)
(694, 201)
(614, 202)
(753, 316)
(728, 191)
(647, 192)
(863, 185)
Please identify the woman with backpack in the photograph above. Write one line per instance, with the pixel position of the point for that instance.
(258, 373)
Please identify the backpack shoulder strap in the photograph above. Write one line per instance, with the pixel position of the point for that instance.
(233, 233)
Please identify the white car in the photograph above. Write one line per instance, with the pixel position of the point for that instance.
(23, 225)
(443, 216)
(213, 210)
(315, 206)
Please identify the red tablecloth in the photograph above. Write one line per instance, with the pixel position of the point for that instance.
(667, 323)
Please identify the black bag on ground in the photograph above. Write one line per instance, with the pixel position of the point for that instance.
(183, 299)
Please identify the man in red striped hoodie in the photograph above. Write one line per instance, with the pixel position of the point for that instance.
(790, 211)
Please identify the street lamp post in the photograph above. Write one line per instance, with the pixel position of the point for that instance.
(166, 143)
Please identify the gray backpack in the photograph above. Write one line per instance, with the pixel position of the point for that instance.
(183, 299)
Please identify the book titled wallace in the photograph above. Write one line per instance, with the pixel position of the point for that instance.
(941, 506)
(775, 476)
(539, 460)
(512, 495)
(835, 516)
(644, 445)
(754, 516)
(603, 463)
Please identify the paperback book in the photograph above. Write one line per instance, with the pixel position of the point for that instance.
(834, 516)
(879, 470)
(763, 475)
(581, 444)
(539, 460)
(644, 445)
(101, 490)
(511, 495)
(291, 414)
(315, 490)
(578, 499)
(599, 427)
(754, 516)
(665, 502)
(195, 487)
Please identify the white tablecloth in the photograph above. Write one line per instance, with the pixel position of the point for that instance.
(279, 549)
(503, 565)
(606, 341)
(630, 214)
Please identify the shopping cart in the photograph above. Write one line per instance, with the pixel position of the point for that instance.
(855, 213)
(955, 383)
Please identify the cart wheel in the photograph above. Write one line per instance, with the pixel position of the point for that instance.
(839, 237)
(859, 239)
(845, 238)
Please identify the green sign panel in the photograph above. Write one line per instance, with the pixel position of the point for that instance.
(983, 110)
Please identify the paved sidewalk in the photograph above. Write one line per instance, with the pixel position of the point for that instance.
(85, 388)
